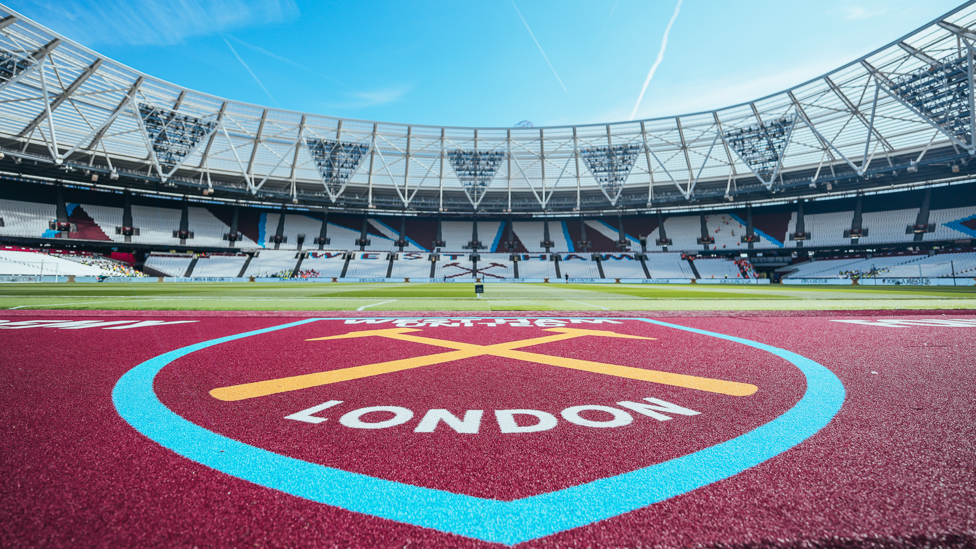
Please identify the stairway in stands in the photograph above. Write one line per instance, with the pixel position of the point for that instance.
(244, 267)
(191, 266)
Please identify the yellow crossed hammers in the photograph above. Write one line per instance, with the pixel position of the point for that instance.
(468, 350)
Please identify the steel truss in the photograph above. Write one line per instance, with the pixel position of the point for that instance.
(610, 166)
(63, 104)
(337, 161)
(476, 170)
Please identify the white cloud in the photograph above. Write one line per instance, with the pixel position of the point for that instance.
(857, 13)
(365, 99)
(381, 97)
(150, 22)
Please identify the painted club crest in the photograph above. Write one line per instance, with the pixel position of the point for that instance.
(504, 430)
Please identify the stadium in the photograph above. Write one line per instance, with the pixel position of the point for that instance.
(246, 325)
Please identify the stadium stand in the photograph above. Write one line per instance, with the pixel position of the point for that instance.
(887, 226)
(156, 225)
(97, 215)
(456, 235)
(949, 223)
(559, 234)
(170, 264)
(935, 266)
(390, 232)
(380, 243)
(536, 266)
(727, 229)
(325, 263)
(717, 268)
(218, 265)
(107, 218)
(490, 233)
(604, 236)
(411, 265)
(368, 265)
(267, 228)
(299, 224)
(384, 227)
(29, 219)
(747, 268)
(827, 229)
(823, 268)
(109, 267)
(580, 266)
(31, 263)
(597, 242)
(641, 226)
(26, 263)
(684, 232)
(422, 232)
(771, 227)
(454, 266)
(341, 238)
(622, 265)
(84, 227)
(893, 266)
(495, 265)
(668, 265)
(206, 228)
(272, 263)
(531, 233)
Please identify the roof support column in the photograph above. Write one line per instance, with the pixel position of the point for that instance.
(576, 157)
(542, 164)
(440, 183)
(257, 143)
(650, 170)
(369, 174)
(406, 170)
(508, 144)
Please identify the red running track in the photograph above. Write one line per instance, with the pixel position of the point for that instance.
(895, 467)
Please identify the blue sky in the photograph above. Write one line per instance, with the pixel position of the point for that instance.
(466, 63)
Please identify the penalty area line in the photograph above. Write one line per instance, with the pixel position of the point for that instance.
(587, 304)
(61, 304)
(364, 307)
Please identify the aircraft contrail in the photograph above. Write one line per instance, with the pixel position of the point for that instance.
(254, 76)
(605, 23)
(540, 47)
(660, 57)
(286, 60)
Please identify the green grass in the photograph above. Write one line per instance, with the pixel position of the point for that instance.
(669, 292)
(461, 297)
(406, 291)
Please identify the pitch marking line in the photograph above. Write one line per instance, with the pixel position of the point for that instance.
(587, 304)
(364, 307)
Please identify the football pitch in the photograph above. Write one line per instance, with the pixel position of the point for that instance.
(461, 297)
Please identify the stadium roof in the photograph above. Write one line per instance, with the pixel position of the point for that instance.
(903, 107)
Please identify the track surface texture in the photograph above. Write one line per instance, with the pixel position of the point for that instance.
(802, 429)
